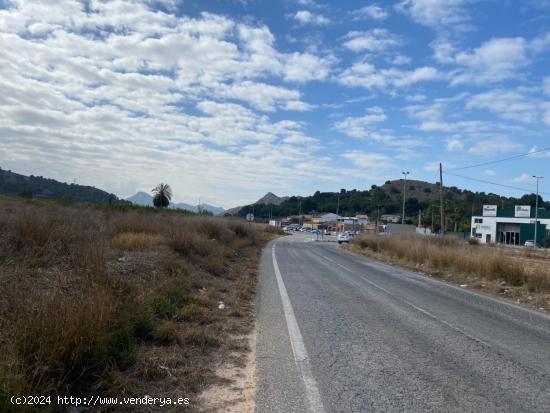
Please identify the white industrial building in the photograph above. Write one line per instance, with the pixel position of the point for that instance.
(512, 226)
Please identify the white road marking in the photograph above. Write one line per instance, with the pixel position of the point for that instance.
(425, 312)
(298, 346)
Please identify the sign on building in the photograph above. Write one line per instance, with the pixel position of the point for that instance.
(523, 211)
(489, 210)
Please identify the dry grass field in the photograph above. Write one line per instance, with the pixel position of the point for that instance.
(517, 273)
(106, 302)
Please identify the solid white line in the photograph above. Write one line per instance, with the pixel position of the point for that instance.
(297, 343)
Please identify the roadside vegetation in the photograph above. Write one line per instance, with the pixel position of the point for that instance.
(121, 302)
(521, 274)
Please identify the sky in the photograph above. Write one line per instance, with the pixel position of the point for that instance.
(226, 100)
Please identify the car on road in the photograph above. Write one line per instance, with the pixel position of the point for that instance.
(344, 237)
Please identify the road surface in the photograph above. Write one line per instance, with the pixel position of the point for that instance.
(342, 333)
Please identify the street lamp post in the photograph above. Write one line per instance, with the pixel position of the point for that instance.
(537, 208)
(404, 194)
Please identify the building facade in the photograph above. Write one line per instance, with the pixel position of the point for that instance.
(511, 226)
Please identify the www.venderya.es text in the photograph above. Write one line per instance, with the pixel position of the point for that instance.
(98, 401)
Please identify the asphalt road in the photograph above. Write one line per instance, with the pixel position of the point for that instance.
(343, 333)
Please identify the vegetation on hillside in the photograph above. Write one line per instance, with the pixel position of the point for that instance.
(388, 199)
(119, 302)
(44, 188)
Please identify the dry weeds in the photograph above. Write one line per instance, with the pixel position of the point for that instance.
(519, 274)
(120, 302)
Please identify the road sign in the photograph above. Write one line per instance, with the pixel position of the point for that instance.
(250, 217)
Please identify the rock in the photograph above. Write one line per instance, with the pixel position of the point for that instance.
(221, 305)
(500, 281)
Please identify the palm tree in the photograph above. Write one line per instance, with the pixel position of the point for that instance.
(162, 195)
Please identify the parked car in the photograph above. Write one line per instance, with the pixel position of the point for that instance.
(531, 243)
(344, 237)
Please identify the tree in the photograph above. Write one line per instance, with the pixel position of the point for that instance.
(162, 195)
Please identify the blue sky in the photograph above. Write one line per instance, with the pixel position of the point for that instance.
(226, 100)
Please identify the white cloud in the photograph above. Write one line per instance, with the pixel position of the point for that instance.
(436, 13)
(365, 74)
(304, 67)
(306, 17)
(455, 145)
(546, 85)
(415, 98)
(495, 60)
(151, 100)
(372, 11)
(490, 172)
(495, 146)
(433, 166)
(360, 127)
(508, 104)
(368, 160)
(523, 178)
(535, 152)
(374, 40)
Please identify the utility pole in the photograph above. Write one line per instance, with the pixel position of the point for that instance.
(537, 208)
(441, 198)
(419, 218)
(404, 195)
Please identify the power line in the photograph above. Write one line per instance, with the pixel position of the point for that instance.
(501, 160)
(494, 183)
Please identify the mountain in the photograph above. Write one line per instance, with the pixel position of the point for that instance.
(141, 198)
(268, 199)
(145, 199)
(271, 199)
(422, 196)
(14, 184)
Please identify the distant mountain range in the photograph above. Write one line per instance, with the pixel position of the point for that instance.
(145, 199)
(268, 199)
(14, 184)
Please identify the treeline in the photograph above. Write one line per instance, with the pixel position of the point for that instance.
(459, 204)
(37, 187)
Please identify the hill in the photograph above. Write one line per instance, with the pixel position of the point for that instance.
(388, 198)
(268, 199)
(14, 184)
(145, 199)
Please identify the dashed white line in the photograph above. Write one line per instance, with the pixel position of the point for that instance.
(425, 312)
(297, 343)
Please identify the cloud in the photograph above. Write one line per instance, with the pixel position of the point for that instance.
(359, 127)
(365, 159)
(366, 75)
(535, 152)
(523, 178)
(374, 40)
(546, 85)
(306, 17)
(119, 92)
(494, 146)
(372, 11)
(495, 60)
(490, 172)
(436, 13)
(508, 104)
(455, 145)
(304, 67)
